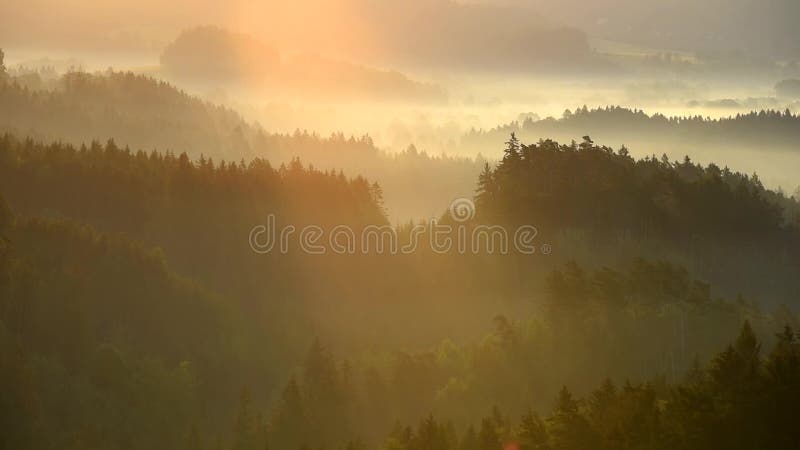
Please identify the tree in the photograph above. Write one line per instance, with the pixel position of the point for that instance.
(587, 143)
(568, 427)
(735, 385)
(470, 439)
(325, 402)
(532, 433)
(245, 430)
(783, 370)
(568, 291)
(488, 437)
(431, 436)
(737, 368)
(320, 377)
(5, 219)
(289, 424)
(511, 152)
(487, 188)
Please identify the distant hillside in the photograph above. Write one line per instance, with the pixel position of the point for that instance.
(736, 141)
(215, 54)
(766, 129)
(100, 325)
(487, 38)
(210, 54)
(724, 225)
(755, 27)
(146, 114)
(133, 109)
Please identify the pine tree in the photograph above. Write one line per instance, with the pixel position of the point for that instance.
(488, 437)
(244, 432)
(470, 439)
(289, 423)
(512, 150)
(431, 436)
(783, 369)
(569, 429)
(487, 188)
(532, 433)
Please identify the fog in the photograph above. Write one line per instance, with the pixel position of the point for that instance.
(346, 76)
(582, 220)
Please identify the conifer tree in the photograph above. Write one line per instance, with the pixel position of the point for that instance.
(244, 432)
(488, 437)
(289, 424)
(532, 433)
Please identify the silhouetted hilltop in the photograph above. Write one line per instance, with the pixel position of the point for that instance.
(211, 53)
(764, 130)
(146, 114)
(214, 55)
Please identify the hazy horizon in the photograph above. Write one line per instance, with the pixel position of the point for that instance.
(399, 225)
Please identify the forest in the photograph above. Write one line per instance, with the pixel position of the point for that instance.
(368, 225)
(144, 113)
(138, 216)
(769, 128)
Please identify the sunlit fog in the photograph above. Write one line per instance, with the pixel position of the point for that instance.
(399, 224)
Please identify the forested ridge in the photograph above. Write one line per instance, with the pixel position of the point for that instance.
(591, 184)
(143, 113)
(766, 129)
(722, 224)
(100, 337)
(98, 327)
(135, 313)
(741, 399)
(89, 308)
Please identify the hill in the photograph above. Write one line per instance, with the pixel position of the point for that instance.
(143, 113)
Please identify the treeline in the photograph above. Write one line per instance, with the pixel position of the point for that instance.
(648, 327)
(742, 398)
(100, 328)
(208, 53)
(134, 109)
(720, 222)
(584, 184)
(200, 212)
(764, 130)
(146, 114)
(93, 307)
(103, 345)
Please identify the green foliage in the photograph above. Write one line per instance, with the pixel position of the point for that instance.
(144, 113)
(106, 345)
(763, 130)
(245, 432)
(603, 204)
(587, 186)
(703, 412)
(102, 340)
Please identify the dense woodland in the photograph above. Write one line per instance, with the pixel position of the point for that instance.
(135, 315)
(238, 322)
(767, 130)
(147, 114)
